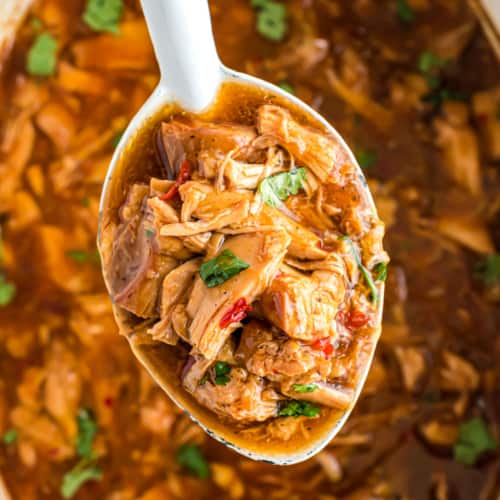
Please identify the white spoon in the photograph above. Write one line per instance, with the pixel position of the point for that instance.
(191, 74)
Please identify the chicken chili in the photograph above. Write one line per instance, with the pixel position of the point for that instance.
(256, 252)
(414, 87)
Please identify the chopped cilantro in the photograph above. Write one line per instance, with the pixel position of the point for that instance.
(192, 459)
(103, 15)
(489, 269)
(215, 271)
(10, 436)
(366, 158)
(287, 87)
(277, 188)
(380, 271)
(474, 439)
(404, 12)
(295, 408)
(87, 429)
(84, 471)
(117, 138)
(83, 256)
(366, 274)
(36, 24)
(149, 233)
(42, 58)
(7, 291)
(85, 201)
(271, 19)
(304, 388)
(428, 61)
(222, 370)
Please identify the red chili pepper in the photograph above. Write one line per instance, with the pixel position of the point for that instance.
(236, 313)
(324, 345)
(183, 176)
(324, 247)
(352, 319)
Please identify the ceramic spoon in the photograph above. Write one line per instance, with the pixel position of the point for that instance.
(191, 74)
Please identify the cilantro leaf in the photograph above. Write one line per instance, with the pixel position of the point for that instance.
(7, 291)
(192, 459)
(103, 15)
(380, 271)
(295, 408)
(271, 19)
(10, 436)
(428, 61)
(279, 187)
(474, 439)
(117, 138)
(366, 274)
(304, 388)
(42, 58)
(286, 86)
(489, 269)
(222, 370)
(84, 471)
(87, 429)
(404, 12)
(84, 257)
(366, 158)
(215, 271)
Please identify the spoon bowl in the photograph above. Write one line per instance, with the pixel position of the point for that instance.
(191, 78)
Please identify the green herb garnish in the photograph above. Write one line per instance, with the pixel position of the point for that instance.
(85, 201)
(366, 274)
(7, 291)
(87, 429)
(489, 269)
(103, 15)
(222, 370)
(149, 233)
(10, 436)
(36, 24)
(295, 408)
(304, 388)
(84, 471)
(474, 439)
(42, 58)
(428, 61)
(117, 138)
(287, 87)
(191, 458)
(404, 12)
(277, 188)
(221, 268)
(271, 19)
(380, 271)
(366, 158)
(84, 257)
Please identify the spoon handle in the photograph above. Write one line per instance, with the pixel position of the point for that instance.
(184, 45)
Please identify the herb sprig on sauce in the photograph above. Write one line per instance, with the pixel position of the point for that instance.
(216, 271)
(295, 408)
(271, 19)
(192, 459)
(277, 188)
(42, 56)
(86, 469)
(103, 15)
(474, 439)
